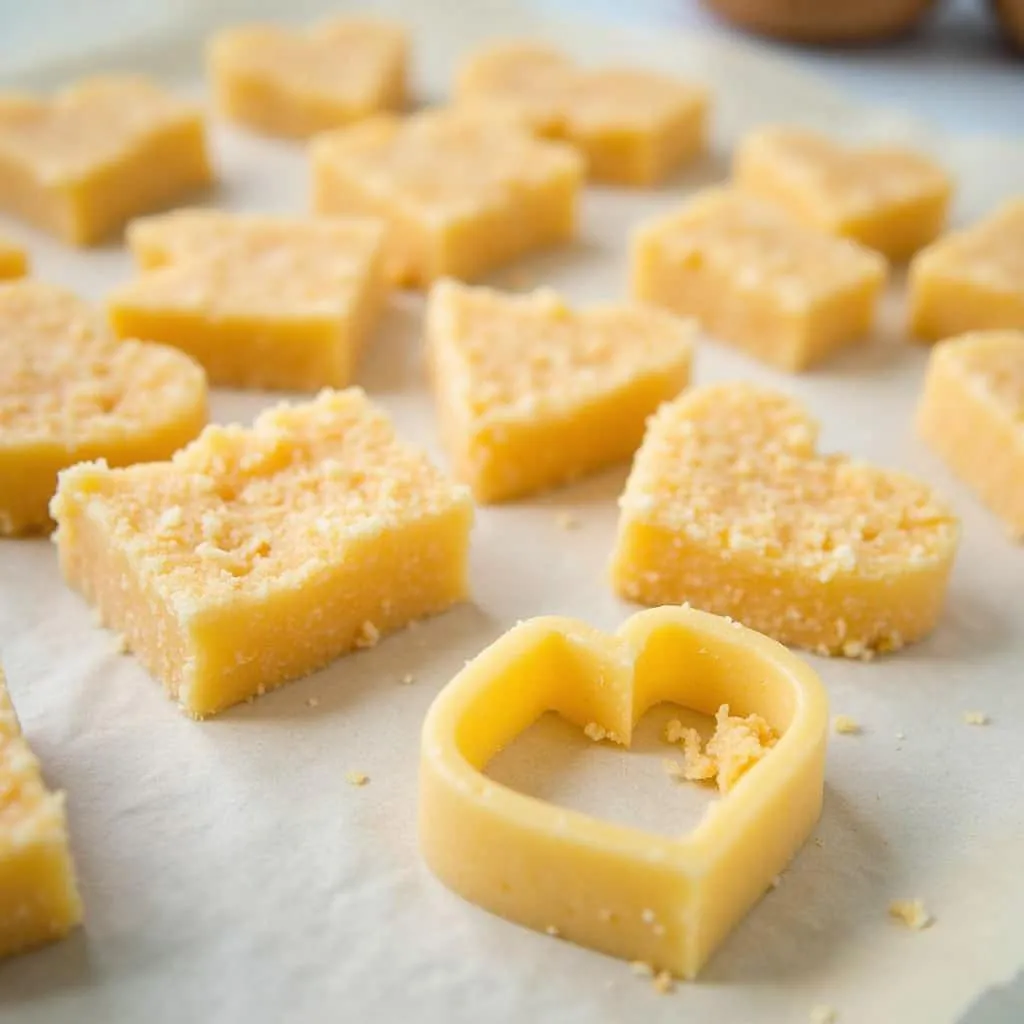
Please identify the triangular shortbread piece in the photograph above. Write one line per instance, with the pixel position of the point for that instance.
(532, 394)
(262, 302)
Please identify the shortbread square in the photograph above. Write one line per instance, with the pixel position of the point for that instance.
(258, 555)
(69, 392)
(634, 127)
(39, 899)
(296, 82)
(972, 413)
(97, 154)
(13, 260)
(462, 193)
(971, 280)
(755, 277)
(260, 301)
(532, 394)
(889, 198)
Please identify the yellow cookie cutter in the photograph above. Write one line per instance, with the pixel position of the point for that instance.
(665, 901)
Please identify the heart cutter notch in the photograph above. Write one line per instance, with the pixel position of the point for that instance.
(665, 901)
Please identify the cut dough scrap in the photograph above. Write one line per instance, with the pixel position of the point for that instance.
(634, 127)
(890, 198)
(69, 392)
(99, 153)
(972, 413)
(532, 394)
(257, 555)
(729, 507)
(39, 899)
(259, 301)
(462, 193)
(296, 82)
(971, 280)
(756, 277)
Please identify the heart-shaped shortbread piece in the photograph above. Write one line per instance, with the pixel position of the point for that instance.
(69, 393)
(890, 198)
(634, 126)
(532, 393)
(98, 153)
(296, 82)
(667, 902)
(729, 507)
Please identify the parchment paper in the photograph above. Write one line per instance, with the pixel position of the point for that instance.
(231, 874)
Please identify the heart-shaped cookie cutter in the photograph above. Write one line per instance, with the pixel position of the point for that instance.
(665, 901)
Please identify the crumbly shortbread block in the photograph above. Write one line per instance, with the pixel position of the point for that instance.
(633, 126)
(39, 899)
(257, 555)
(462, 193)
(260, 301)
(971, 280)
(296, 82)
(99, 153)
(729, 507)
(890, 198)
(972, 413)
(532, 394)
(13, 260)
(69, 391)
(755, 277)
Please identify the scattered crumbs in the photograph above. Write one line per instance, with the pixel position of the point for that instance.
(819, 842)
(775, 882)
(846, 726)
(901, 735)
(553, 931)
(120, 643)
(663, 983)
(261, 690)
(357, 778)
(911, 913)
(313, 702)
(408, 679)
(642, 969)
(367, 636)
(647, 915)
(595, 732)
(823, 1014)
(567, 521)
(976, 718)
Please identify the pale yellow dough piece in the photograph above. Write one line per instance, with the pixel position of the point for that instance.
(532, 394)
(462, 193)
(39, 899)
(665, 902)
(69, 392)
(754, 276)
(260, 301)
(258, 555)
(296, 82)
(13, 260)
(730, 508)
(634, 127)
(890, 198)
(971, 280)
(97, 154)
(972, 413)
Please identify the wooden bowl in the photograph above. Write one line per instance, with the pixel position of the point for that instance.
(828, 21)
